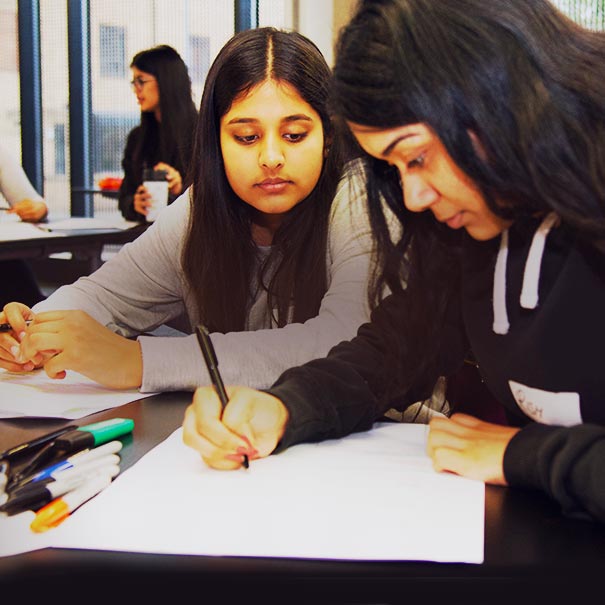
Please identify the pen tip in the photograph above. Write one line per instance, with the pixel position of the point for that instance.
(246, 462)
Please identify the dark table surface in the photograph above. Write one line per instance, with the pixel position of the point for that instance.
(532, 553)
(86, 244)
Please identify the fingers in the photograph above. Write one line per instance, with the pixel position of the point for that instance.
(204, 431)
(209, 452)
(11, 357)
(142, 200)
(173, 176)
(451, 460)
(28, 210)
(250, 425)
(259, 417)
(470, 447)
(55, 367)
(44, 338)
(39, 349)
(16, 314)
(16, 368)
(444, 435)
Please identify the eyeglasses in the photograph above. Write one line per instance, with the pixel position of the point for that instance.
(138, 83)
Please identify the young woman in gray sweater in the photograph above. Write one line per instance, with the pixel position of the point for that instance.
(270, 248)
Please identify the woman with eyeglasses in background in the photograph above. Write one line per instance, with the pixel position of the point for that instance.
(163, 139)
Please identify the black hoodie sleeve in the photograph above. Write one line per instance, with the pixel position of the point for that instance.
(564, 462)
(346, 391)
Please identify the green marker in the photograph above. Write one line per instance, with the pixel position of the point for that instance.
(92, 435)
(75, 440)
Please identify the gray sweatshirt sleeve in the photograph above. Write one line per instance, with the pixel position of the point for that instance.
(143, 287)
(256, 358)
(139, 289)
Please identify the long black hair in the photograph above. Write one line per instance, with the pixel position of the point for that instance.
(219, 256)
(171, 139)
(489, 68)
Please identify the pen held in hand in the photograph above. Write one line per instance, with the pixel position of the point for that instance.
(7, 327)
(203, 338)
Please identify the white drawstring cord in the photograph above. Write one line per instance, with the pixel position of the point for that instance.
(501, 324)
(531, 276)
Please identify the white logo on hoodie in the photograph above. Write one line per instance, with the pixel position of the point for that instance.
(547, 407)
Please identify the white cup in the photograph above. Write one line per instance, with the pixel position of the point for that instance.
(159, 198)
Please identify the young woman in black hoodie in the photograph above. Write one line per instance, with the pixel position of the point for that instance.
(467, 112)
(164, 138)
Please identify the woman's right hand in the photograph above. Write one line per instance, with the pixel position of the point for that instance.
(251, 425)
(142, 200)
(15, 314)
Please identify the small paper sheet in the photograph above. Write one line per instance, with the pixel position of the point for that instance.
(82, 223)
(75, 396)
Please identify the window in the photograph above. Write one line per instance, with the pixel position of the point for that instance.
(199, 50)
(112, 51)
(589, 13)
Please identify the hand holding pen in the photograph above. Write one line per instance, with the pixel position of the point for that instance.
(14, 322)
(203, 337)
(250, 424)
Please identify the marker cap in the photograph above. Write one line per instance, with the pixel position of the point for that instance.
(94, 434)
(107, 430)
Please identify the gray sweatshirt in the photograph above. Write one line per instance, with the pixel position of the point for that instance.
(143, 287)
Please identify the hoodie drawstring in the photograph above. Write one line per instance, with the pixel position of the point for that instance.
(531, 275)
(501, 324)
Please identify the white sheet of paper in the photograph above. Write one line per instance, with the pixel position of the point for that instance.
(80, 222)
(35, 394)
(371, 496)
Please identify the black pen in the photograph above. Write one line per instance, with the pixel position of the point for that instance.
(28, 446)
(8, 327)
(203, 337)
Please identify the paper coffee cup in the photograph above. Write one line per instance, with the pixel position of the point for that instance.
(159, 198)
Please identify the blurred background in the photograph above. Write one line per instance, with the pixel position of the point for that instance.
(66, 105)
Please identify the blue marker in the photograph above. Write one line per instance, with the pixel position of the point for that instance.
(39, 494)
(81, 458)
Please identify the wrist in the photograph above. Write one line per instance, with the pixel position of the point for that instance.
(132, 365)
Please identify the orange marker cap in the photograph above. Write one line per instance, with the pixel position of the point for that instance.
(50, 515)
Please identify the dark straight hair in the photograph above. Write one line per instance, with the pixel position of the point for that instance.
(219, 255)
(485, 67)
(171, 140)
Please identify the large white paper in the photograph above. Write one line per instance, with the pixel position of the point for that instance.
(75, 396)
(371, 496)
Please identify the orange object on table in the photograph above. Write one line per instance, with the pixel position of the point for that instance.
(110, 183)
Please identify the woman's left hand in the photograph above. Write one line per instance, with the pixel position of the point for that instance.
(469, 447)
(73, 340)
(30, 211)
(173, 176)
